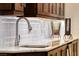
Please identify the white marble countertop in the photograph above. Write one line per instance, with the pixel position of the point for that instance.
(27, 49)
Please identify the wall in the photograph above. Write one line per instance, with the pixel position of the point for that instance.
(72, 11)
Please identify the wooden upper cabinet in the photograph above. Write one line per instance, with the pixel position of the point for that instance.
(40, 8)
(30, 10)
(51, 9)
(11, 9)
(5, 6)
(43, 8)
(19, 7)
(33, 9)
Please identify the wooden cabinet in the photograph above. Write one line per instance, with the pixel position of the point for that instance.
(55, 10)
(19, 9)
(73, 47)
(70, 49)
(11, 9)
(51, 10)
(60, 51)
(43, 9)
(5, 6)
(30, 10)
(52, 53)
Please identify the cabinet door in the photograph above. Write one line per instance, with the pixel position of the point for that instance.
(5, 6)
(39, 8)
(52, 53)
(18, 6)
(43, 9)
(60, 51)
(51, 9)
(62, 9)
(57, 10)
(46, 9)
(74, 48)
(11, 9)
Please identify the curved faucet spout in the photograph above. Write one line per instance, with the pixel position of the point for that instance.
(17, 35)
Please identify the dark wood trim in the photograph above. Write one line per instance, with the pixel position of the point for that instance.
(25, 54)
(11, 8)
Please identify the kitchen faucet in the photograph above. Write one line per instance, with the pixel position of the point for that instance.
(17, 35)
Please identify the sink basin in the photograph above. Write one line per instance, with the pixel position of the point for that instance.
(36, 43)
(35, 46)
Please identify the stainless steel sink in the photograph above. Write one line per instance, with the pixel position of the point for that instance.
(35, 46)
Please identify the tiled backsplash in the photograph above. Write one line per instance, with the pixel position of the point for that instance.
(41, 28)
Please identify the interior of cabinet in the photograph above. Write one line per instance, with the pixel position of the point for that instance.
(30, 10)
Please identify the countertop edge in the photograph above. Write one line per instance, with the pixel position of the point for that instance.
(29, 50)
